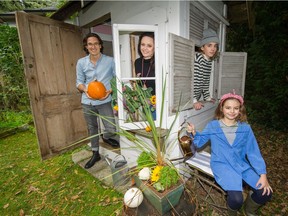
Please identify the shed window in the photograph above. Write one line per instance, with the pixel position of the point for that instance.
(126, 39)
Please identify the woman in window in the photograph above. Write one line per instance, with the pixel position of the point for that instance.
(145, 65)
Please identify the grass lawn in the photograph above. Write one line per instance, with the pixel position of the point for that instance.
(56, 186)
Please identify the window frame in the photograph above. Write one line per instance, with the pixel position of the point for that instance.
(124, 29)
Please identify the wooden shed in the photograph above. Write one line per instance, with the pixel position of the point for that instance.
(51, 49)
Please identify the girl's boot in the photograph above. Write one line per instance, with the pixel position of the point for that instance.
(250, 207)
(231, 212)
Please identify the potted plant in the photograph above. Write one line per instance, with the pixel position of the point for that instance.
(131, 101)
(162, 184)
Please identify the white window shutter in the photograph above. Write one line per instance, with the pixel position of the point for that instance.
(213, 25)
(181, 71)
(232, 71)
(196, 23)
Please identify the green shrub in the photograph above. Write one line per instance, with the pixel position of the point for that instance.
(266, 87)
(10, 119)
(13, 87)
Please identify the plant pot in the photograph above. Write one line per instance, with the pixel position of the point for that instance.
(162, 202)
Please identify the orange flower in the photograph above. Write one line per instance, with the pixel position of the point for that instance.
(153, 100)
(115, 107)
(148, 128)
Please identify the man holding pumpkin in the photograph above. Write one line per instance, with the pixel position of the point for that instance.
(96, 66)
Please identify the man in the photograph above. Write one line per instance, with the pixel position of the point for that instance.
(98, 66)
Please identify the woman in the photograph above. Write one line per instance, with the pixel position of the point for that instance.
(145, 65)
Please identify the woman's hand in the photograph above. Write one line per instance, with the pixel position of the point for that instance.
(263, 183)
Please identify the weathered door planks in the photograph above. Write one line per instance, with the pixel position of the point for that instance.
(50, 52)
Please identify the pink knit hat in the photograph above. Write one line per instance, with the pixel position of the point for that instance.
(232, 95)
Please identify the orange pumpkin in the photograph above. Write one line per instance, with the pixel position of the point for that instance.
(96, 90)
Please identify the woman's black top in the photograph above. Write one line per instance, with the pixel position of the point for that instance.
(146, 68)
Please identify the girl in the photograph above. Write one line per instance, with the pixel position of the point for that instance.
(203, 67)
(235, 155)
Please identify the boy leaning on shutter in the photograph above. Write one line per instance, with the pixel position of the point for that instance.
(203, 67)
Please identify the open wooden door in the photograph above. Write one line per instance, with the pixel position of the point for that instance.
(50, 52)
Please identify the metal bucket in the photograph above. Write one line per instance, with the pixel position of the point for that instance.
(119, 170)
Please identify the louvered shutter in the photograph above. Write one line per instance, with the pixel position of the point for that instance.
(181, 70)
(213, 25)
(196, 23)
(232, 72)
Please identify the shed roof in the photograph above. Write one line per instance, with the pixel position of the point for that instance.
(72, 7)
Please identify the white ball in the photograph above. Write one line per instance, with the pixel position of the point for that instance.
(144, 174)
(133, 197)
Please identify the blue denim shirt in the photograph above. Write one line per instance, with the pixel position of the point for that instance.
(103, 71)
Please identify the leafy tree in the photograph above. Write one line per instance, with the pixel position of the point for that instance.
(266, 90)
(15, 5)
(13, 88)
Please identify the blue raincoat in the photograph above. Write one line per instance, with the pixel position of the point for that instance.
(233, 163)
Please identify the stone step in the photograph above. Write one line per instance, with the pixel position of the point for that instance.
(101, 170)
